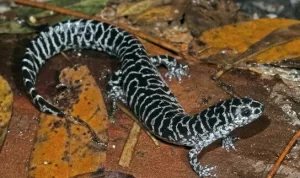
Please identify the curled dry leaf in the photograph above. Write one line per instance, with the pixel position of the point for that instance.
(204, 15)
(178, 37)
(133, 8)
(138, 7)
(64, 149)
(6, 99)
(156, 14)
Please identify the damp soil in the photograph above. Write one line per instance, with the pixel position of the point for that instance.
(260, 144)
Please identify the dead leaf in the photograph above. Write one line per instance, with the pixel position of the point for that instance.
(6, 99)
(63, 149)
(126, 8)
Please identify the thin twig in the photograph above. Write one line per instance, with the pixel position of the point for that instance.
(283, 154)
(128, 149)
(155, 141)
(131, 141)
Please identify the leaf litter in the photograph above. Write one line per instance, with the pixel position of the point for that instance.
(179, 20)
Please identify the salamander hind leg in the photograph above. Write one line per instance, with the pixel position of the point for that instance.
(202, 171)
(115, 90)
(175, 69)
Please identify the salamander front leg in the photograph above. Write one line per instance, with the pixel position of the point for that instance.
(202, 171)
(227, 142)
(115, 91)
(175, 69)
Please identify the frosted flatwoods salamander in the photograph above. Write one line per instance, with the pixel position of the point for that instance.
(138, 84)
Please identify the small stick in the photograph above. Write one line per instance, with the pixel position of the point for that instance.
(283, 154)
(131, 141)
(128, 149)
(155, 141)
(65, 55)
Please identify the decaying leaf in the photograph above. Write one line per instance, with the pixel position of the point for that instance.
(178, 36)
(6, 99)
(133, 8)
(126, 8)
(64, 149)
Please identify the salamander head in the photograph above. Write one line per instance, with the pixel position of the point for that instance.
(229, 115)
(243, 111)
(219, 120)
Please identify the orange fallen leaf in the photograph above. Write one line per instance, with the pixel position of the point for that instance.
(64, 149)
(241, 36)
(6, 99)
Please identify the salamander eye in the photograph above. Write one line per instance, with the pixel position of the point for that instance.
(246, 112)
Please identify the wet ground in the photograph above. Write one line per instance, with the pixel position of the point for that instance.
(261, 142)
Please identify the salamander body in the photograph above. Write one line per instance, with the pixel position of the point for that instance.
(139, 84)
